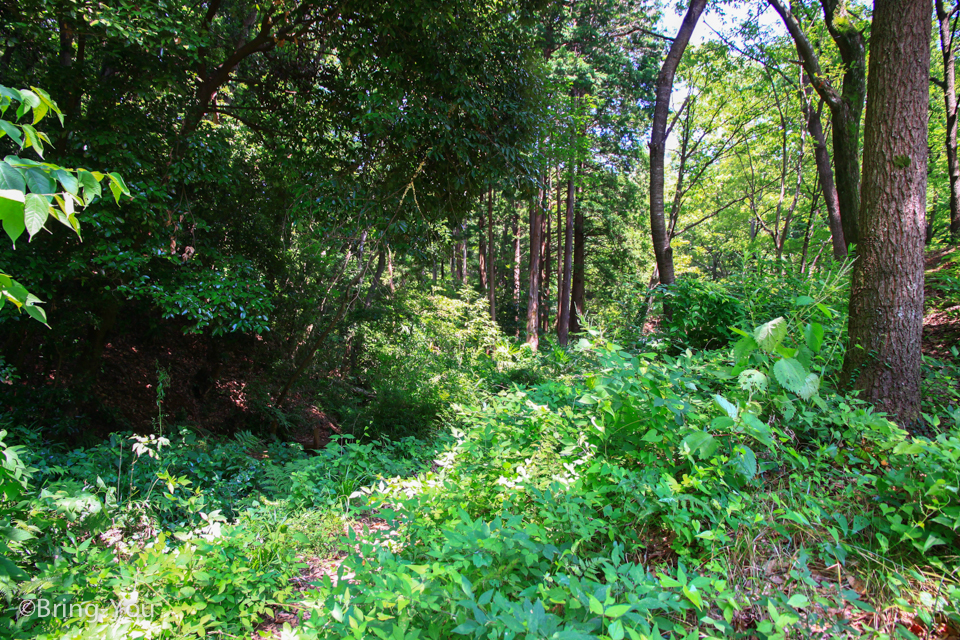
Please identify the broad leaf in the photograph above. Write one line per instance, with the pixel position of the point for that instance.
(11, 178)
(36, 210)
(745, 462)
(10, 129)
(810, 386)
(11, 212)
(770, 335)
(702, 442)
(790, 374)
(813, 335)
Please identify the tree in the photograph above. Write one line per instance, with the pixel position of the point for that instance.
(886, 295)
(658, 140)
(846, 105)
(946, 21)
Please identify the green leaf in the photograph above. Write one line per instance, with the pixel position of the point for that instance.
(38, 181)
(702, 442)
(770, 335)
(790, 374)
(36, 210)
(33, 139)
(11, 178)
(36, 313)
(744, 347)
(798, 601)
(813, 335)
(745, 461)
(11, 212)
(91, 187)
(10, 129)
(810, 386)
(118, 186)
(693, 596)
(617, 610)
(595, 606)
(727, 407)
(615, 630)
(68, 181)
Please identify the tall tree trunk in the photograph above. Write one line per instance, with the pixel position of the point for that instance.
(563, 324)
(516, 267)
(491, 260)
(482, 255)
(658, 140)
(846, 116)
(579, 266)
(546, 253)
(560, 186)
(846, 106)
(949, 87)
(824, 172)
(465, 274)
(886, 294)
(533, 292)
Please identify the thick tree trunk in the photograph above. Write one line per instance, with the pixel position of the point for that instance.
(533, 292)
(578, 287)
(563, 324)
(658, 141)
(491, 260)
(825, 174)
(886, 295)
(949, 87)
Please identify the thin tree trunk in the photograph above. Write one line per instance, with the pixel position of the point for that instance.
(824, 173)
(546, 252)
(482, 256)
(390, 271)
(886, 294)
(560, 186)
(658, 140)
(563, 325)
(807, 232)
(375, 281)
(949, 87)
(578, 287)
(533, 292)
(516, 267)
(491, 260)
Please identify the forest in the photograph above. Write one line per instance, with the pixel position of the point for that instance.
(481, 319)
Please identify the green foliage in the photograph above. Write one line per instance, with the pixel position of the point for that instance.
(28, 189)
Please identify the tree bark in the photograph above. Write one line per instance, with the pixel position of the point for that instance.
(533, 292)
(658, 140)
(491, 265)
(563, 324)
(886, 295)
(949, 87)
